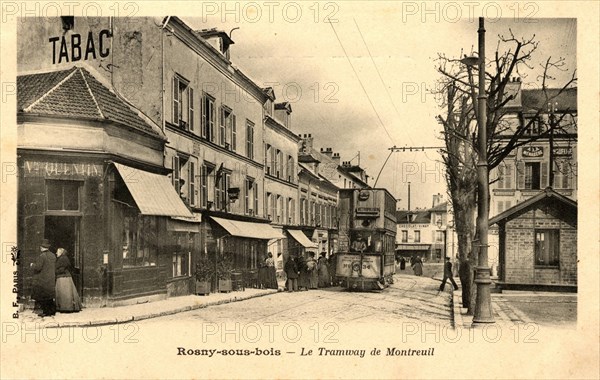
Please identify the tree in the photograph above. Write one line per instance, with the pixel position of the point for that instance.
(504, 133)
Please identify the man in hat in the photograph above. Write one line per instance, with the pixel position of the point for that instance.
(448, 275)
(44, 280)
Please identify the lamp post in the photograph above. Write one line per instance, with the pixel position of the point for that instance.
(483, 301)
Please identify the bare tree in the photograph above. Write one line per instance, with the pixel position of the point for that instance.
(504, 132)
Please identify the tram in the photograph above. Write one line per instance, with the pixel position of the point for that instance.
(367, 238)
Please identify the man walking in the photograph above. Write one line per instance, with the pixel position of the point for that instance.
(448, 275)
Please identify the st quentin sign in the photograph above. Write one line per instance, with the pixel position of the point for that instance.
(49, 169)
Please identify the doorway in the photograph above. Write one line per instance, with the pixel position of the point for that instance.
(63, 232)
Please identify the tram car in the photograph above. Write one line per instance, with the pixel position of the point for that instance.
(367, 238)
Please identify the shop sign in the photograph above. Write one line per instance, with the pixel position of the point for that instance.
(80, 48)
(349, 266)
(372, 212)
(563, 151)
(50, 169)
(533, 151)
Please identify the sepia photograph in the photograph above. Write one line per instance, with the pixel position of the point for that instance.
(300, 189)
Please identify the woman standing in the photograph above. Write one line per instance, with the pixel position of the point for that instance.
(263, 275)
(323, 265)
(271, 272)
(313, 273)
(67, 298)
(304, 276)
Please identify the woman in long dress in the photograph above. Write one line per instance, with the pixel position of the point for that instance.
(304, 276)
(271, 272)
(418, 266)
(323, 265)
(67, 298)
(313, 272)
(263, 276)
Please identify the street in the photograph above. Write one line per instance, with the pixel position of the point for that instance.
(410, 298)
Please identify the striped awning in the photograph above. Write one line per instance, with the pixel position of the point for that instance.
(301, 238)
(153, 193)
(250, 230)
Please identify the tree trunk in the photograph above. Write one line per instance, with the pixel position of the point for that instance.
(464, 212)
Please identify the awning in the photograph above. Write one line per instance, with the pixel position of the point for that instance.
(301, 238)
(153, 193)
(413, 247)
(248, 229)
(182, 224)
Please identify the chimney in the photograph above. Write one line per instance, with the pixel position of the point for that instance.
(307, 142)
(336, 158)
(437, 199)
(328, 152)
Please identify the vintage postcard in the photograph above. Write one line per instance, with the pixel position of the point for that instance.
(299, 189)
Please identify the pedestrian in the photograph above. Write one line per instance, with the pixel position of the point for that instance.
(402, 263)
(323, 267)
(418, 266)
(291, 271)
(271, 272)
(448, 275)
(333, 268)
(304, 275)
(67, 298)
(313, 272)
(263, 276)
(44, 280)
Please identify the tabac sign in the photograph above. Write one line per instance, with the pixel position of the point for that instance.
(533, 151)
(80, 47)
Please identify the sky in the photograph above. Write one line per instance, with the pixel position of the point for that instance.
(361, 82)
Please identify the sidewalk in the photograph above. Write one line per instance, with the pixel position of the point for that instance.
(129, 313)
(503, 313)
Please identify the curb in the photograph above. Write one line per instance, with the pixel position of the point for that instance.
(128, 319)
(457, 319)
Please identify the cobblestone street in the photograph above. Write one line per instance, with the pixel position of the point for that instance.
(410, 298)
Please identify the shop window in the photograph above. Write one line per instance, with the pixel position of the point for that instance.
(417, 236)
(139, 241)
(208, 117)
(62, 195)
(547, 247)
(181, 257)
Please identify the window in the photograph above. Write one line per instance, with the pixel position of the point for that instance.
(439, 236)
(249, 197)
(205, 172)
(292, 215)
(505, 175)
(503, 206)
(279, 209)
(268, 159)
(226, 126)
(535, 127)
(183, 104)
(139, 240)
(249, 139)
(532, 175)
(302, 211)
(208, 117)
(417, 236)
(62, 195)
(404, 236)
(547, 247)
(181, 256)
(222, 185)
(562, 175)
(233, 144)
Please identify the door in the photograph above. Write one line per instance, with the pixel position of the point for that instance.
(63, 232)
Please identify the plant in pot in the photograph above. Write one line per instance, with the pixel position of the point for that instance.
(204, 274)
(224, 268)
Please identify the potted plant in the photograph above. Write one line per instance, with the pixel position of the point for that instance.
(203, 275)
(224, 268)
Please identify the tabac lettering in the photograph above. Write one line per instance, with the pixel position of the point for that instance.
(93, 47)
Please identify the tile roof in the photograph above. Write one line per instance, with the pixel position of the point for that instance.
(418, 217)
(537, 99)
(76, 93)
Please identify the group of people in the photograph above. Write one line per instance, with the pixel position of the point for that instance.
(310, 273)
(267, 274)
(53, 287)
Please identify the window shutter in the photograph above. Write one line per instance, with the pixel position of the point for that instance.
(176, 101)
(520, 175)
(544, 175)
(203, 124)
(211, 122)
(508, 175)
(191, 108)
(192, 179)
(233, 133)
